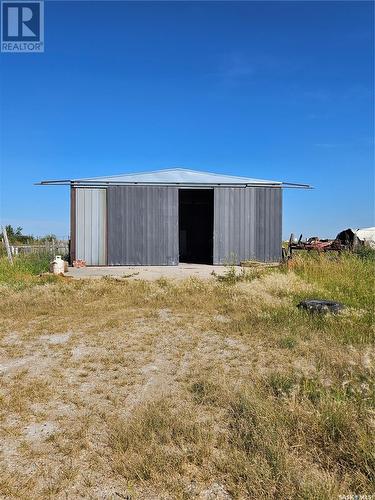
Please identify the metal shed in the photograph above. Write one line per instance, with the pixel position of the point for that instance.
(175, 215)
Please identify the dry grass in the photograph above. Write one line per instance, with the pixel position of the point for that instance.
(200, 389)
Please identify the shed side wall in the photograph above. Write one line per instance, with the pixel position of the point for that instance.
(247, 224)
(90, 226)
(142, 225)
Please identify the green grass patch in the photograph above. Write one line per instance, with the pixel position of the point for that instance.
(25, 270)
(348, 278)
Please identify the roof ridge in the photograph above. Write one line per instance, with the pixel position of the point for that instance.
(171, 169)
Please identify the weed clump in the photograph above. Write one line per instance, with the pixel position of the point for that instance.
(25, 269)
(231, 275)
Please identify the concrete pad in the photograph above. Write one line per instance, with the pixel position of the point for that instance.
(150, 273)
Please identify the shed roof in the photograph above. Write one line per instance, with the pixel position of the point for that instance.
(173, 177)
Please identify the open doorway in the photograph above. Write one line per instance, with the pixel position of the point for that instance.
(196, 225)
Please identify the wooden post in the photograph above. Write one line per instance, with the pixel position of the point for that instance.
(6, 244)
(290, 245)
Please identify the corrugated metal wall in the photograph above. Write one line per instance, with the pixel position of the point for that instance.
(90, 223)
(142, 225)
(247, 224)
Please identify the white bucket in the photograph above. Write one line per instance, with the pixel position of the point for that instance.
(57, 265)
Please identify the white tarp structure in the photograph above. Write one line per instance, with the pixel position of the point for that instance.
(367, 235)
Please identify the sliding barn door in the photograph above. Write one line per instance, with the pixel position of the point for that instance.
(247, 224)
(142, 225)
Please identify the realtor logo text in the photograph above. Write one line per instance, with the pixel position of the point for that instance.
(22, 26)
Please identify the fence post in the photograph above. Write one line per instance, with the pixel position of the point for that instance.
(6, 244)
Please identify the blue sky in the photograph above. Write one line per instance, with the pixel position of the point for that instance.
(275, 90)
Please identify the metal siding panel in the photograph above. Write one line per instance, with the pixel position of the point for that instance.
(142, 225)
(137, 206)
(219, 223)
(79, 221)
(170, 222)
(215, 235)
(268, 224)
(94, 229)
(245, 223)
(228, 225)
(242, 243)
(238, 220)
(276, 235)
(265, 213)
(224, 219)
(130, 226)
(271, 224)
(233, 245)
(261, 215)
(80, 224)
(278, 225)
(252, 222)
(103, 228)
(86, 226)
(123, 201)
(100, 229)
(73, 217)
(148, 228)
(111, 201)
(244, 230)
(91, 225)
(260, 222)
(257, 253)
(217, 226)
(162, 202)
(280, 219)
(229, 214)
(222, 222)
(275, 226)
(264, 219)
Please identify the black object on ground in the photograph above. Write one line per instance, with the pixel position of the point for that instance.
(321, 306)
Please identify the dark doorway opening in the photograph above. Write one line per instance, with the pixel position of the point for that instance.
(196, 225)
